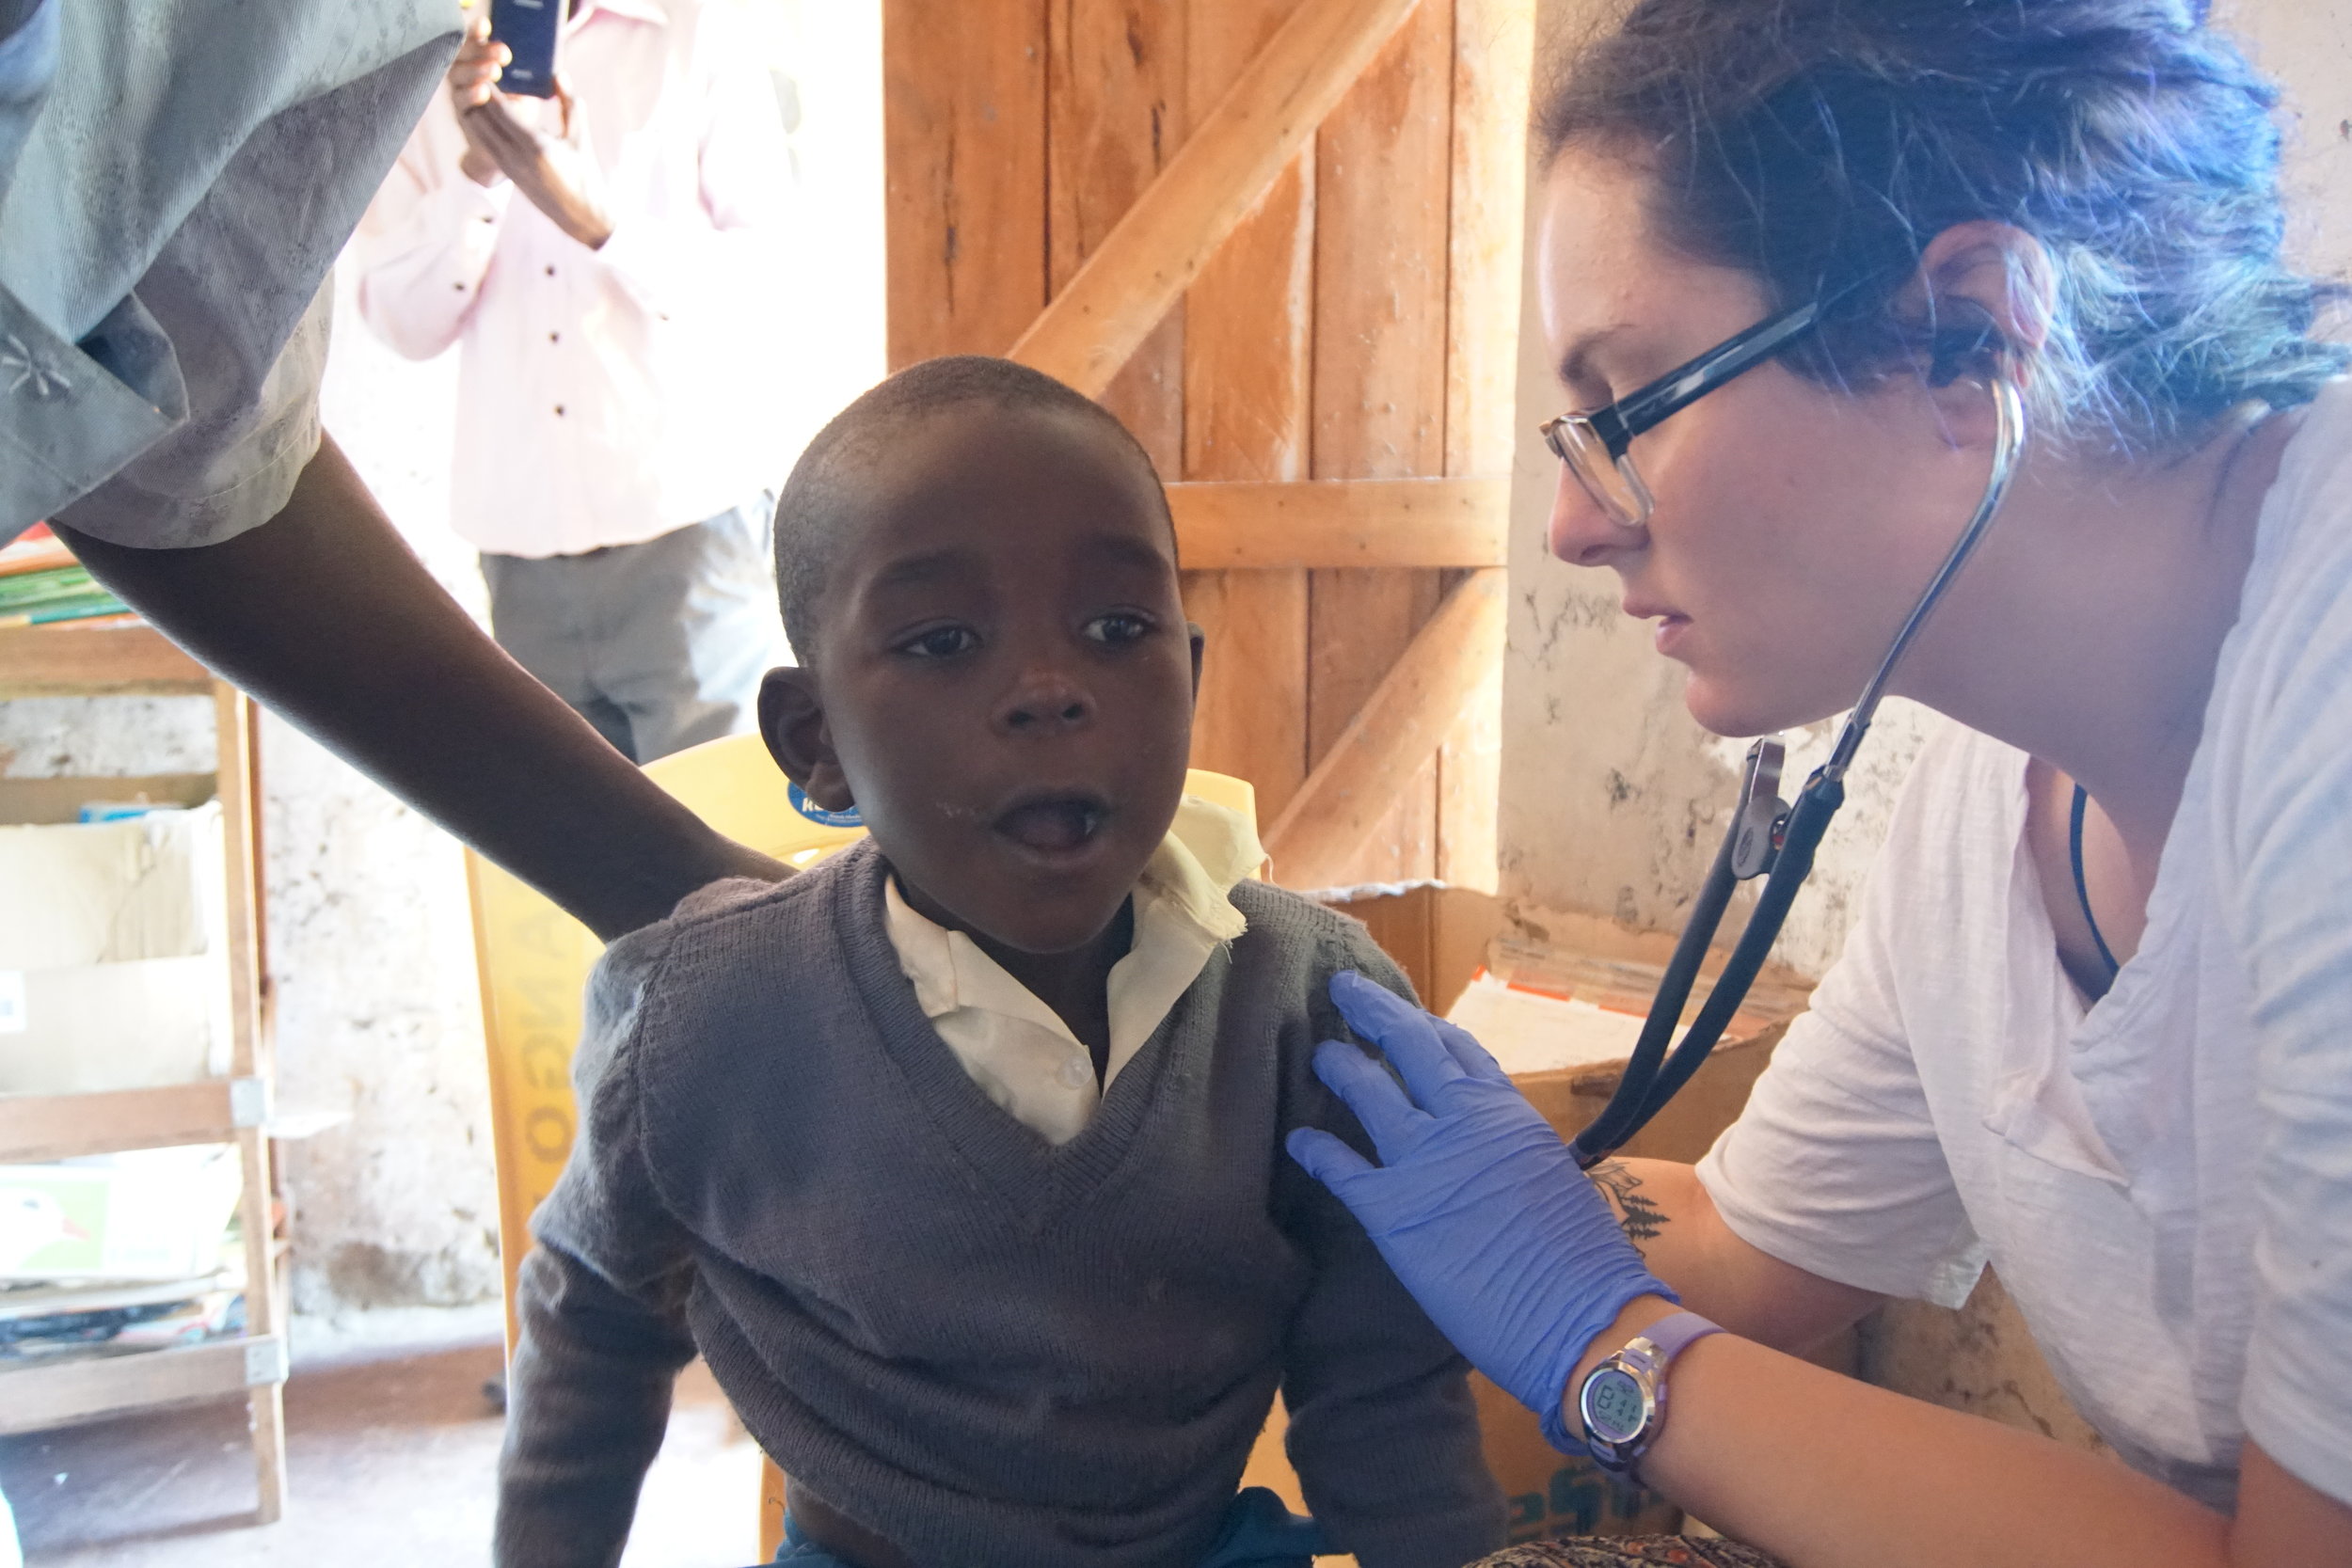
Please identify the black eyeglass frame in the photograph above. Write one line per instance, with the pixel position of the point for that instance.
(1615, 426)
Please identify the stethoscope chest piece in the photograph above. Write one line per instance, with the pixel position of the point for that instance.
(1762, 814)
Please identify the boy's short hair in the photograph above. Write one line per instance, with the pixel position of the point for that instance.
(819, 500)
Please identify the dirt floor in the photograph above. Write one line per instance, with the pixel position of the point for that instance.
(393, 1452)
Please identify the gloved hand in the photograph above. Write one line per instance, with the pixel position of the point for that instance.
(1477, 1204)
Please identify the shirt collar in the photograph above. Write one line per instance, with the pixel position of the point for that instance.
(633, 10)
(1209, 849)
(950, 972)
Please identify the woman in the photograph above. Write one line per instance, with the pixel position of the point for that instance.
(2091, 1025)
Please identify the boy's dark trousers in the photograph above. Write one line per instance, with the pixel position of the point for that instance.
(1258, 1532)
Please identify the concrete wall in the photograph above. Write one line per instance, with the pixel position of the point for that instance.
(1613, 798)
(371, 940)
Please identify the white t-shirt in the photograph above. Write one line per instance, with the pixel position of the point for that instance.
(2164, 1182)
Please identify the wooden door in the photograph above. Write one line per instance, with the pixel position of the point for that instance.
(1280, 240)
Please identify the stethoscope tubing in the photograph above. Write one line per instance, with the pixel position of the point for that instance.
(1652, 1075)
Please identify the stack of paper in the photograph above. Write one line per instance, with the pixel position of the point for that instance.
(1529, 1031)
(113, 954)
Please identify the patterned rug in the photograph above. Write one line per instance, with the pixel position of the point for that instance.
(1649, 1551)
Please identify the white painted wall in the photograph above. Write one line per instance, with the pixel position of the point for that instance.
(371, 939)
(1612, 800)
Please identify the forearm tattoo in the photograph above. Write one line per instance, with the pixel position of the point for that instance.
(1642, 1217)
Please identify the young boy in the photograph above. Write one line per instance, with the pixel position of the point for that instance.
(959, 1156)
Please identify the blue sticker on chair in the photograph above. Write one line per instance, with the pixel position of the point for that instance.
(815, 813)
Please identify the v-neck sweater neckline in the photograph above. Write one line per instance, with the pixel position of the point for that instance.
(1027, 1171)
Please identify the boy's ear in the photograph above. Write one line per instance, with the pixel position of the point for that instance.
(1199, 640)
(792, 723)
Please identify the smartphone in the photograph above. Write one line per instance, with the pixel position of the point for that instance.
(530, 29)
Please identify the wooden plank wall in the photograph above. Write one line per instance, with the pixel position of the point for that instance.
(1379, 394)
(964, 95)
(1493, 64)
(1361, 324)
(1247, 375)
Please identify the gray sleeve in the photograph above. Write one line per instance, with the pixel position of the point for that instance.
(1383, 1432)
(600, 1306)
(226, 331)
(28, 63)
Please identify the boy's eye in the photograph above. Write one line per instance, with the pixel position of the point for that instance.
(940, 643)
(1118, 627)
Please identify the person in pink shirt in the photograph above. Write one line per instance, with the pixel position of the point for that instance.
(610, 263)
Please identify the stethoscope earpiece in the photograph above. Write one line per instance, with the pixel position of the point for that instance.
(1959, 351)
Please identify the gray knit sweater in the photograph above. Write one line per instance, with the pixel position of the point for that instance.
(995, 1352)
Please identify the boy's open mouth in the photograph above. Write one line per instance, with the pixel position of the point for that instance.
(1052, 823)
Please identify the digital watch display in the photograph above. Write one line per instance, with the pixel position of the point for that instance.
(1623, 1400)
(1616, 1405)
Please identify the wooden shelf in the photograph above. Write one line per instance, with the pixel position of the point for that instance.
(95, 661)
(51, 1395)
(35, 1127)
(136, 660)
(45, 801)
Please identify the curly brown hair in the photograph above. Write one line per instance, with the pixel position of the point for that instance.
(1817, 144)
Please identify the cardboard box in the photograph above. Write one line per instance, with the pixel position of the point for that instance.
(1554, 1497)
(134, 1025)
(113, 964)
(1535, 1031)
(1459, 947)
(1549, 1495)
(1438, 934)
(156, 1213)
(142, 887)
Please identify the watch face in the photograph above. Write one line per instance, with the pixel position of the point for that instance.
(1614, 1407)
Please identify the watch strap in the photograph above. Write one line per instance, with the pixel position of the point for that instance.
(1671, 1335)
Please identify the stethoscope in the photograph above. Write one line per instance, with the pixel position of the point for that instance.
(1772, 839)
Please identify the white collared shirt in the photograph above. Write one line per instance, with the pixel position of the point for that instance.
(1015, 1047)
(605, 397)
(175, 183)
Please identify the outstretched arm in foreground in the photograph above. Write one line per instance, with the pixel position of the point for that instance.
(326, 615)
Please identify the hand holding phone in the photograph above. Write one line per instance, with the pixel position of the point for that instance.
(530, 30)
(474, 78)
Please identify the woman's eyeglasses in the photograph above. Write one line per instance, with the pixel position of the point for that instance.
(1595, 446)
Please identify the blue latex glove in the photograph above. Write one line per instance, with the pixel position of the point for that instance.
(1477, 1204)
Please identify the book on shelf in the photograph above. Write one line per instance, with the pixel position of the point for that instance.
(36, 549)
(53, 594)
(33, 589)
(94, 622)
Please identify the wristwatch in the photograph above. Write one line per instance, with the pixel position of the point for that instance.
(1623, 1398)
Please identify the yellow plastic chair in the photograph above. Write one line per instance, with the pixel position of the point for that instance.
(535, 961)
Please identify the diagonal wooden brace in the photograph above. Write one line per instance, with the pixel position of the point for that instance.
(1404, 719)
(1224, 168)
